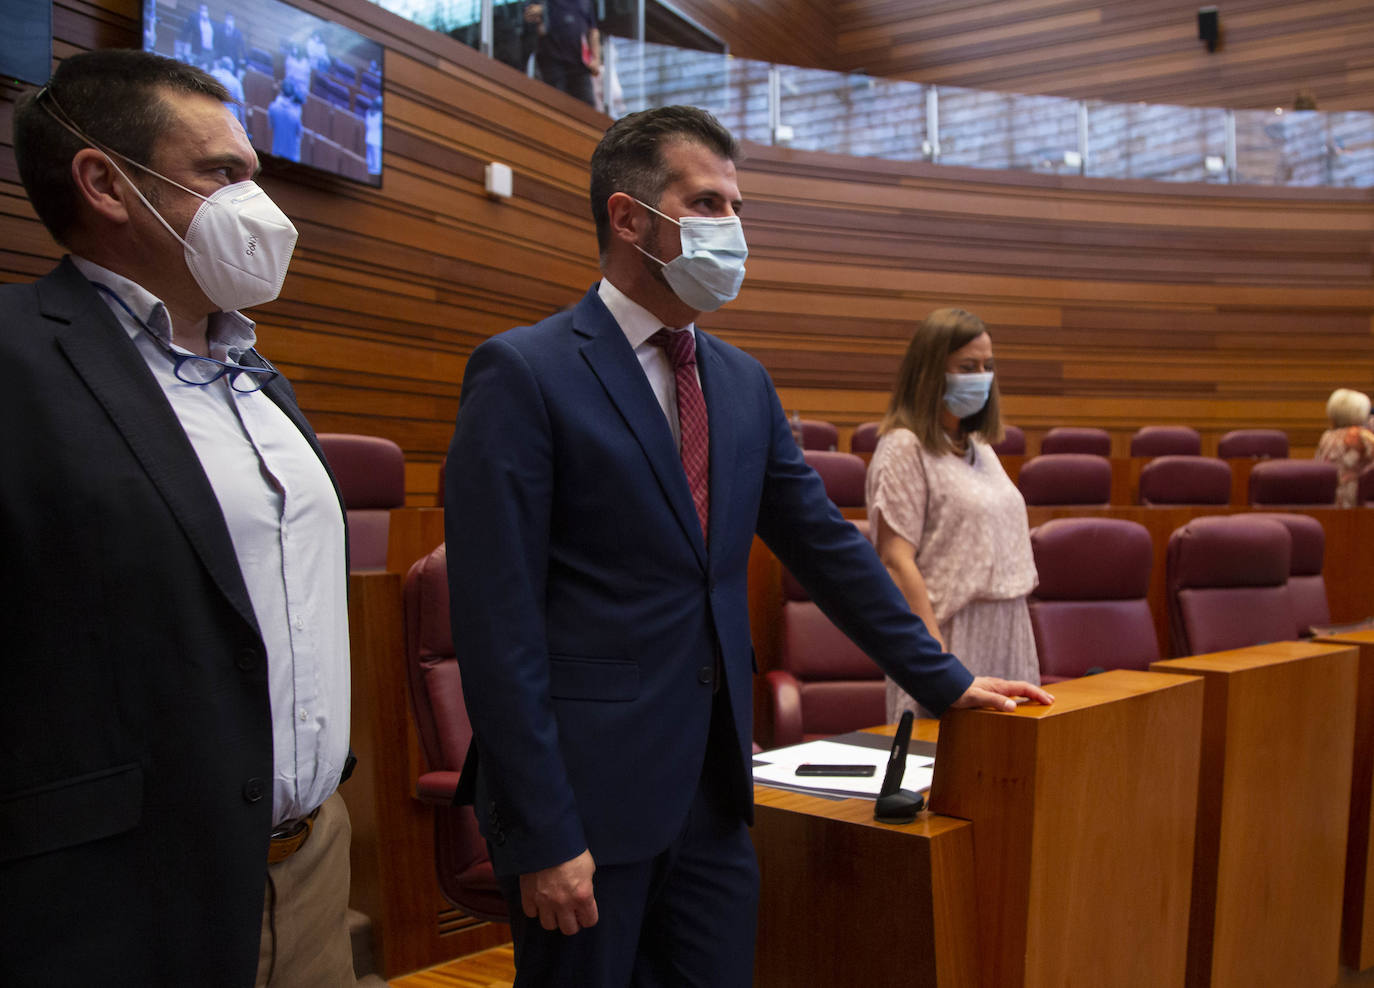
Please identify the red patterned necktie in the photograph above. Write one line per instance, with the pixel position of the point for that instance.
(680, 348)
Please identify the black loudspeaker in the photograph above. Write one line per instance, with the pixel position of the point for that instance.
(1207, 28)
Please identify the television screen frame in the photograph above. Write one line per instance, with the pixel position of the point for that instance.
(309, 90)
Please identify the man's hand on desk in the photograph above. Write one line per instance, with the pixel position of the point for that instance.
(997, 694)
(561, 896)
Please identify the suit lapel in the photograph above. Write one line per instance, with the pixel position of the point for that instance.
(105, 359)
(613, 360)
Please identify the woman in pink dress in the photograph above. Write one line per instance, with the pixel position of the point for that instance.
(1348, 443)
(948, 523)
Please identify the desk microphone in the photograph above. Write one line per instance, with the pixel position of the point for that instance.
(895, 804)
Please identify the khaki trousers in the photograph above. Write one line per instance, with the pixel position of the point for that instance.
(305, 942)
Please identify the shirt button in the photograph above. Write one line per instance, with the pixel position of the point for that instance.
(300, 624)
(302, 715)
(253, 790)
(705, 674)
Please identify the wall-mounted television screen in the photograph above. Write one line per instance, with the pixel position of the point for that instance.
(308, 90)
(25, 40)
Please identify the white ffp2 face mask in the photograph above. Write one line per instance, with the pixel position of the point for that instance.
(709, 271)
(238, 245)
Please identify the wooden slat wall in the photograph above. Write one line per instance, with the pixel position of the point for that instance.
(791, 32)
(1112, 303)
(1121, 50)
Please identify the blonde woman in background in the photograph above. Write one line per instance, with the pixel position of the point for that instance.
(949, 525)
(1348, 443)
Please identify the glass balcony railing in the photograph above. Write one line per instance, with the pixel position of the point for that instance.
(849, 113)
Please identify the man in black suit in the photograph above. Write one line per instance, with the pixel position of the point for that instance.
(174, 701)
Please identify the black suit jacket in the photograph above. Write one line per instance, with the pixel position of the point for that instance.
(135, 723)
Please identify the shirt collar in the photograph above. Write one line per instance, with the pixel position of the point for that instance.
(635, 321)
(230, 334)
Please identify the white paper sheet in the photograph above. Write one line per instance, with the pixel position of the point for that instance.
(782, 765)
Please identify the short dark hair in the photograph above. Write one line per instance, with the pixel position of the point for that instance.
(629, 158)
(920, 390)
(115, 97)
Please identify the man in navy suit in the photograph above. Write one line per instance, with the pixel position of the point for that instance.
(603, 494)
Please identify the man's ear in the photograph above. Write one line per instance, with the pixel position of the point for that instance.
(100, 186)
(627, 217)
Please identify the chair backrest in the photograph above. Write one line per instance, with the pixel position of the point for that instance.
(1364, 489)
(1271, 443)
(371, 472)
(1066, 478)
(1306, 585)
(816, 434)
(1185, 480)
(1227, 579)
(1013, 442)
(1075, 439)
(1166, 440)
(841, 689)
(842, 473)
(435, 685)
(1091, 610)
(864, 438)
(1293, 482)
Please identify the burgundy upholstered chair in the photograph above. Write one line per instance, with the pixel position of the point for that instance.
(842, 473)
(819, 435)
(1270, 443)
(1365, 490)
(824, 684)
(1293, 482)
(441, 719)
(1227, 579)
(1306, 585)
(864, 438)
(1185, 480)
(1166, 440)
(1013, 442)
(1072, 439)
(371, 472)
(1066, 478)
(1090, 610)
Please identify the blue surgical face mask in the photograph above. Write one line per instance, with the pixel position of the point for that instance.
(709, 271)
(966, 394)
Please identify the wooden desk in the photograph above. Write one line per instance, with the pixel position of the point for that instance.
(1273, 811)
(1039, 883)
(1357, 917)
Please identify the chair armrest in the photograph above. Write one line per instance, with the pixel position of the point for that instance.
(437, 788)
(784, 700)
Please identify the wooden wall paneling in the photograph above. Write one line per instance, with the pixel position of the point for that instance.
(1118, 49)
(784, 31)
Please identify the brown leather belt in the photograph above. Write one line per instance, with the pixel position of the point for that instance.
(290, 837)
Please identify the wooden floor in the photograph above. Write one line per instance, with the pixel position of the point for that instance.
(495, 968)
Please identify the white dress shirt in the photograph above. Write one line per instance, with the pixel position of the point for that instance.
(638, 324)
(288, 532)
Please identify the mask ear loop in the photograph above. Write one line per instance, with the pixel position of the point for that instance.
(82, 136)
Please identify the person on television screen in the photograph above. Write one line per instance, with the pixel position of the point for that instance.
(223, 71)
(198, 36)
(230, 43)
(174, 679)
(285, 117)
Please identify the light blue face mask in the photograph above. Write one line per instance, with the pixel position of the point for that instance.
(709, 271)
(966, 394)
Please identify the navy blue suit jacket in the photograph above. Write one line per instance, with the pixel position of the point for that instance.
(590, 616)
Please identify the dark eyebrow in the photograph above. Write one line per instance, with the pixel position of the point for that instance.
(233, 162)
